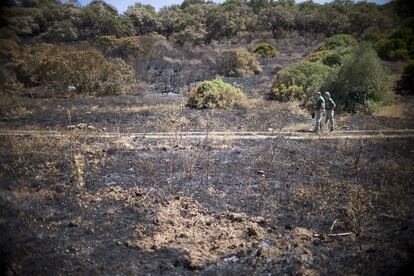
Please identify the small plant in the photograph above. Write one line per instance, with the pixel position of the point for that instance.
(238, 62)
(265, 50)
(215, 94)
(337, 42)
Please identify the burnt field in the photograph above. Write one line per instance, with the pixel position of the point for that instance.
(77, 205)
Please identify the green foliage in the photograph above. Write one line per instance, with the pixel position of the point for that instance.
(317, 56)
(215, 94)
(337, 42)
(333, 58)
(407, 78)
(144, 18)
(265, 50)
(278, 19)
(98, 19)
(230, 20)
(361, 83)
(62, 31)
(399, 45)
(238, 62)
(57, 68)
(301, 81)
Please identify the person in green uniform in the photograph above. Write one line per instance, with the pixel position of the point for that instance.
(319, 110)
(330, 107)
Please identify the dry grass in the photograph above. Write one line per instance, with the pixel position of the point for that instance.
(394, 111)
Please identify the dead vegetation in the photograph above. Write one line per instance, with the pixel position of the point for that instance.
(207, 206)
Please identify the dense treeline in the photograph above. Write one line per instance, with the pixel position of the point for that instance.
(197, 21)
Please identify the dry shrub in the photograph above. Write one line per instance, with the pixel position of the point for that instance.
(238, 62)
(215, 94)
(129, 47)
(351, 203)
(87, 70)
(286, 93)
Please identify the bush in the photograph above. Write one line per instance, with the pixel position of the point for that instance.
(286, 93)
(317, 56)
(87, 70)
(395, 48)
(338, 41)
(237, 63)
(138, 47)
(332, 59)
(307, 76)
(407, 78)
(265, 50)
(62, 31)
(328, 57)
(215, 94)
(361, 83)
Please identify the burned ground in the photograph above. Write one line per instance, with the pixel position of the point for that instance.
(78, 206)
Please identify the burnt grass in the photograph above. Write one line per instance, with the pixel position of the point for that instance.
(182, 207)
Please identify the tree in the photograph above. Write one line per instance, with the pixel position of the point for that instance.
(144, 18)
(361, 84)
(277, 19)
(229, 20)
(99, 18)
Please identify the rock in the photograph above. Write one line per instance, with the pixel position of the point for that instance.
(71, 88)
(71, 127)
(262, 173)
(91, 127)
(231, 259)
(81, 125)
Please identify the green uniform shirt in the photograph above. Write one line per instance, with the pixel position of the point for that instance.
(329, 104)
(319, 103)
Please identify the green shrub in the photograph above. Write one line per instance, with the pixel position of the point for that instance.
(338, 41)
(87, 70)
(62, 31)
(407, 78)
(307, 76)
(328, 57)
(238, 62)
(394, 48)
(265, 50)
(317, 56)
(334, 58)
(215, 94)
(361, 84)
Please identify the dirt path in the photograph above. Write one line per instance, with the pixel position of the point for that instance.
(292, 135)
